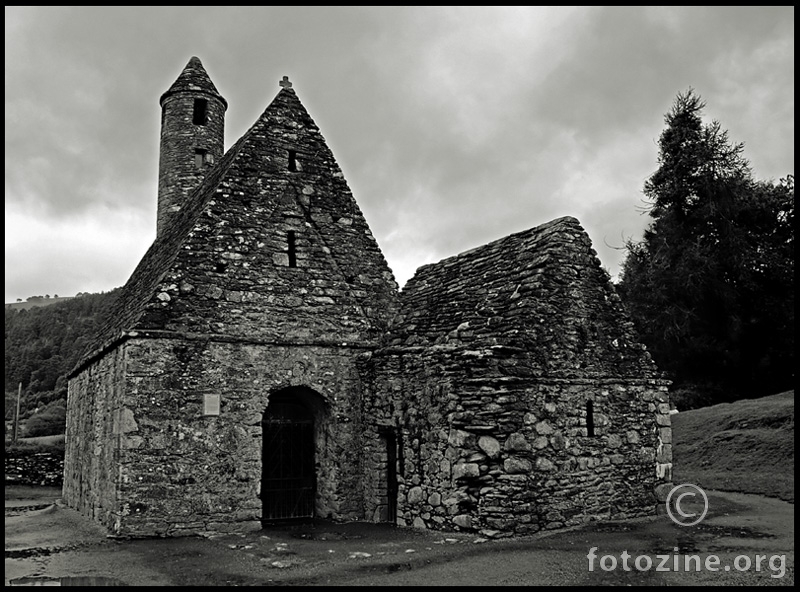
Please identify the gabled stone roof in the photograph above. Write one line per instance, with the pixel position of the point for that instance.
(250, 186)
(541, 292)
(130, 303)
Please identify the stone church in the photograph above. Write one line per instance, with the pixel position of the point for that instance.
(260, 364)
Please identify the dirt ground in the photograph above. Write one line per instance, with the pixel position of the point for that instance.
(47, 543)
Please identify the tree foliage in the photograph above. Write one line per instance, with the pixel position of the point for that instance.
(711, 284)
(49, 421)
(43, 344)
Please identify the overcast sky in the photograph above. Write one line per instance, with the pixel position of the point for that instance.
(453, 126)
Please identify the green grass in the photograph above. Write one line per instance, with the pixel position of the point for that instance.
(35, 493)
(44, 440)
(746, 446)
(38, 444)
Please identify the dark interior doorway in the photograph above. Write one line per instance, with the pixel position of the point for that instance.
(390, 438)
(288, 482)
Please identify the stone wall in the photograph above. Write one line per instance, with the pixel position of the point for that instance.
(224, 267)
(181, 472)
(94, 427)
(268, 277)
(512, 455)
(232, 273)
(34, 468)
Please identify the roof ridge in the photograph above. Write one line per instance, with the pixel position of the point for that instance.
(521, 234)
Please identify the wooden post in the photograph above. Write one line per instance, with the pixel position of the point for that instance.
(16, 415)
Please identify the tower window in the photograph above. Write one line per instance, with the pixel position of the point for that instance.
(200, 115)
(202, 157)
(590, 419)
(292, 160)
(292, 249)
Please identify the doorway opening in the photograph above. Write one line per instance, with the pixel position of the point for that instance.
(288, 478)
(389, 438)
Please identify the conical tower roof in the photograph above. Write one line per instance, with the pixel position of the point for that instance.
(194, 78)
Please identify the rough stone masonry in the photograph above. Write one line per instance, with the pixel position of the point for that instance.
(261, 364)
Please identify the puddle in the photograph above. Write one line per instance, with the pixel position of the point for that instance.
(734, 531)
(29, 552)
(67, 581)
(326, 536)
(395, 567)
(681, 548)
(610, 527)
(29, 508)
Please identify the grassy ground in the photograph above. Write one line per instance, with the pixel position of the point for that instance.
(38, 444)
(746, 446)
(44, 440)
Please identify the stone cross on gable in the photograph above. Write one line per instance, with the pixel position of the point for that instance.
(285, 82)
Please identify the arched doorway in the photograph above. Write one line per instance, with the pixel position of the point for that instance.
(288, 478)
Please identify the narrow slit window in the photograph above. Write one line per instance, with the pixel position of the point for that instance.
(292, 249)
(200, 114)
(292, 160)
(200, 158)
(590, 419)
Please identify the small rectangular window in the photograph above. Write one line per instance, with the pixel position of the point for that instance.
(590, 419)
(200, 158)
(292, 249)
(200, 115)
(292, 160)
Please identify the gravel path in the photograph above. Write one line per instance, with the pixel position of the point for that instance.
(47, 543)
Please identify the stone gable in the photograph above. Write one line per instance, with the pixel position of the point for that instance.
(222, 267)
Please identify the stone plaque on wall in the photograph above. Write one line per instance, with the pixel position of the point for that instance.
(210, 404)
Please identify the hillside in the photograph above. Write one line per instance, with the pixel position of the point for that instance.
(745, 446)
(36, 301)
(42, 344)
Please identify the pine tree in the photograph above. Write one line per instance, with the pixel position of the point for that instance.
(711, 284)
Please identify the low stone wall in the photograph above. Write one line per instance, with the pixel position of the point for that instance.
(34, 468)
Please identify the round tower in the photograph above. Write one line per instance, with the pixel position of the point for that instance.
(192, 138)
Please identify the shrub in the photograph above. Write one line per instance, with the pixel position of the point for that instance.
(49, 421)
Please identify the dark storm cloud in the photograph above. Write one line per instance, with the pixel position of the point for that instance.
(453, 126)
(613, 77)
(74, 132)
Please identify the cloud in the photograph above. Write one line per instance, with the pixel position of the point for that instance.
(73, 254)
(453, 126)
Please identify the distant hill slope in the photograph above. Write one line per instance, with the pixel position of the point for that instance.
(745, 446)
(34, 302)
(43, 343)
